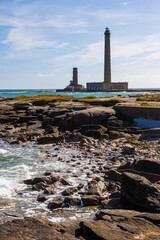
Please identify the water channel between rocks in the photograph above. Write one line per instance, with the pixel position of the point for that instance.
(20, 162)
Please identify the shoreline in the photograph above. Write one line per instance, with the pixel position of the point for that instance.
(110, 151)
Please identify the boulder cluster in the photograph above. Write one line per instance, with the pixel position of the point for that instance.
(22, 121)
(123, 173)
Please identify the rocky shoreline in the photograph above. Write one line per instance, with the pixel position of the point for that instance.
(120, 161)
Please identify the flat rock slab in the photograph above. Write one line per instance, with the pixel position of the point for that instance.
(110, 225)
(122, 224)
(33, 229)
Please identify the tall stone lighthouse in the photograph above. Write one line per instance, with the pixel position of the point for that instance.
(107, 57)
(107, 85)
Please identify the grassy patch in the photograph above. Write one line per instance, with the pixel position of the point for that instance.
(43, 100)
(89, 97)
(149, 98)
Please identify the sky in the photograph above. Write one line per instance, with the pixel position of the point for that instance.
(42, 40)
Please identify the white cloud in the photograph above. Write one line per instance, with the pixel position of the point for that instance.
(24, 39)
(106, 15)
(45, 75)
(146, 46)
(125, 3)
(153, 56)
(65, 44)
(147, 79)
(89, 56)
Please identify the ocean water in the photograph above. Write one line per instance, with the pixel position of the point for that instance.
(18, 163)
(35, 92)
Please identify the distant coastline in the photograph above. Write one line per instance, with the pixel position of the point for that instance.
(35, 92)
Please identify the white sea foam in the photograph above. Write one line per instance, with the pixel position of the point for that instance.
(19, 163)
(3, 151)
(7, 188)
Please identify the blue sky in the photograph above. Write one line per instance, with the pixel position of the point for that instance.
(42, 40)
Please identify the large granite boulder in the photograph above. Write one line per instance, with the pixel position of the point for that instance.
(95, 115)
(151, 166)
(149, 169)
(138, 192)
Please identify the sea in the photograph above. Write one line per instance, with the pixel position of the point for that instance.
(35, 92)
(20, 162)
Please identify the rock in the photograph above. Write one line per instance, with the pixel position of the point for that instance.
(64, 181)
(48, 139)
(121, 224)
(114, 122)
(95, 115)
(29, 228)
(39, 183)
(149, 169)
(55, 204)
(114, 159)
(40, 186)
(54, 178)
(46, 180)
(47, 173)
(57, 112)
(128, 149)
(138, 192)
(21, 106)
(42, 198)
(151, 166)
(111, 186)
(148, 134)
(27, 119)
(46, 121)
(114, 175)
(93, 130)
(91, 200)
(113, 203)
(22, 138)
(52, 129)
(96, 188)
(102, 230)
(15, 142)
(69, 191)
(49, 190)
(116, 194)
(70, 201)
(28, 181)
(80, 186)
(114, 134)
(153, 178)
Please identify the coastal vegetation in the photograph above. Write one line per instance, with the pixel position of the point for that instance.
(149, 98)
(43, 100)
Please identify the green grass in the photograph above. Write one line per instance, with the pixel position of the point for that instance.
(89, 97)
(43, 100)
(149, 98)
